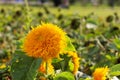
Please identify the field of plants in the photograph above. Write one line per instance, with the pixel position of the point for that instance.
(47, 43)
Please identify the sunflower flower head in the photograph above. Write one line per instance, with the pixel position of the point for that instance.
(100, 73)
(45, 41)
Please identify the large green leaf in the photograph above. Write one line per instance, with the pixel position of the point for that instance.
(115, 70)
(69, 47)
(64, 76)
(24, 67)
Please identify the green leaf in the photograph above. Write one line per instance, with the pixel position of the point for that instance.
(64, 76)
(117, 42)
(71, 65)
(85, 78)
(115, 70)
(70, 46)
(24, 67)
(116, 73)
(65, 63)
(112, 46)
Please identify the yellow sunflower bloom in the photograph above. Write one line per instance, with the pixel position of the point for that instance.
(45, 41)
(100, 73)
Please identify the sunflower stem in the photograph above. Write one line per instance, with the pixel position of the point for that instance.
(47, 68)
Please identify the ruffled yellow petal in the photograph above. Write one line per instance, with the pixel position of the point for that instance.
(100, 73)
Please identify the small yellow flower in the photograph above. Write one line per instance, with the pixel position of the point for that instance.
(2, 66)
(100, 73)
(45, 41)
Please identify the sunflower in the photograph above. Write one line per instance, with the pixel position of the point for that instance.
(45, 41)
(100, 73)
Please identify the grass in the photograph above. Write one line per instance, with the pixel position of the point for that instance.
(101, 11)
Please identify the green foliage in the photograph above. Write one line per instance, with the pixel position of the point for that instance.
(70, 46)
(115, 70)
(65, 63)
(85, 79)
(117, 43)
(64, 76)
(24, 67)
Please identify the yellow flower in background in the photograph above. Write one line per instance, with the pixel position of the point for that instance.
(75, 60)
(100, 73)
(2, 66)
(45, 41)
(50, 68)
